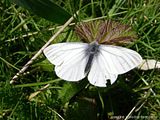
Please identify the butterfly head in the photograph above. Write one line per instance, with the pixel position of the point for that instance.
(93, 47)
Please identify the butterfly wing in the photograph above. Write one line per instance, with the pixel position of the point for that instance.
(69, 59)
(98, 74)
(118, 60)
(111, 61)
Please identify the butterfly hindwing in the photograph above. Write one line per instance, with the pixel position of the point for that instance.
(98, 74)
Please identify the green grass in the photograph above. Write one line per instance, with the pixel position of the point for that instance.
(76, 101)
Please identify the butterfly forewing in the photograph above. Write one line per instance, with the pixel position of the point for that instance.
(119, 60)
(58, 53)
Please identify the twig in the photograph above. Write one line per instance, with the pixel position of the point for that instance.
(56, 113)
(137, 104)
(143, 100)
(40, 51)
(149, 64)
(50, 29)
(38, 91)
(152, 91)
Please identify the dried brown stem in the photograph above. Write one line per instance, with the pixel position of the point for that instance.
(40, 51)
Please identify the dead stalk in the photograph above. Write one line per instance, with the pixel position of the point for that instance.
(13, 80)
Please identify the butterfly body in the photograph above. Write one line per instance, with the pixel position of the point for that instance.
(92, 50)
(74, 61)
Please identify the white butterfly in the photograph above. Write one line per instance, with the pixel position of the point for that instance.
(74, 61)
